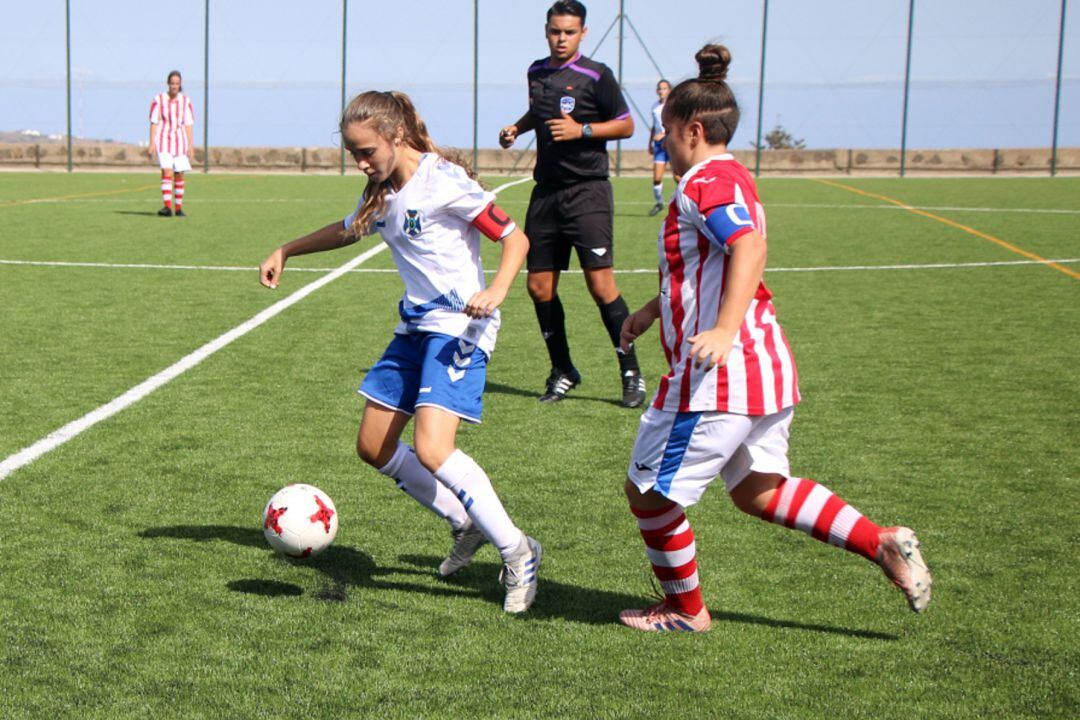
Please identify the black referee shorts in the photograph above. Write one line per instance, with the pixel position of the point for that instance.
(578, 216)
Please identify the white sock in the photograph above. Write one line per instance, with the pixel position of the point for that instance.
(658, 192)
(421, 485)
(470, 483)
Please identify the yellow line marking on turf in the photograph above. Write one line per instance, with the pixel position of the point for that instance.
(952, 223)
(31, 201)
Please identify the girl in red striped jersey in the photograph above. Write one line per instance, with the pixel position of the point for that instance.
(171, 120)
(725, 406)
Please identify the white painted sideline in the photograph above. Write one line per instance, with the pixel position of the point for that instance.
(72, 429)
(622, 271)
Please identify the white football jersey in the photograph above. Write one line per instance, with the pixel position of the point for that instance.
(657, 121)
(428, 226)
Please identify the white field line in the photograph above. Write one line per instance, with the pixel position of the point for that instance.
(624, 271)
(324, 201)
(72, 429)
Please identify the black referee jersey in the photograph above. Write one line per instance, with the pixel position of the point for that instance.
(588, 92)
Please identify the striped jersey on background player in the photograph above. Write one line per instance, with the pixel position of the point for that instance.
(171, 120)
(172, 115)
(725, 407)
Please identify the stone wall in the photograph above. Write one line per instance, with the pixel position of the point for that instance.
(117, 156)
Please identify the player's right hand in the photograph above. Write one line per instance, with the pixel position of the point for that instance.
(508, 135)
(633, 326)
(270, 270)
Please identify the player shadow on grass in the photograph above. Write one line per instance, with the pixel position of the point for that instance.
(601, 607)
(342, 566)
(145, 213)
(511, 390)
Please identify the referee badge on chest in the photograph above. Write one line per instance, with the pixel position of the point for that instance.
(412, 223)
(567, 104)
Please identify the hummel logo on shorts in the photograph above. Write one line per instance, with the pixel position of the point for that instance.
(642, 467)
(425, 390)
(599, 252)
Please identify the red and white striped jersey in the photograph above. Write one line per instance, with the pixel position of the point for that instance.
(715, 204)
(171, 115)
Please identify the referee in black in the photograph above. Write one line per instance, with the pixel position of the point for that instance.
(575, 106)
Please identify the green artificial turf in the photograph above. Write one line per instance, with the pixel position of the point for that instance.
(135, 581)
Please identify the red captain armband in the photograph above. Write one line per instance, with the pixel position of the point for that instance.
(494, 223)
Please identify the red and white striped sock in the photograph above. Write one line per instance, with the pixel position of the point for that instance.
(178, 192)
(669, 543)
(166, 191)
(805, 505)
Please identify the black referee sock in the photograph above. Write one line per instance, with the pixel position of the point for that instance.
(552, 321)
(613, 314)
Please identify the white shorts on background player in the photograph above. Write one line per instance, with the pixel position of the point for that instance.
(678, 454)
(176, 163)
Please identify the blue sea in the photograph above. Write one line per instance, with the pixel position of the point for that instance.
(941, 114)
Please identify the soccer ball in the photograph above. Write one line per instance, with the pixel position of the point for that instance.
(300, 521)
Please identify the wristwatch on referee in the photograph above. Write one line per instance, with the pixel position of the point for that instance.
(586, 130)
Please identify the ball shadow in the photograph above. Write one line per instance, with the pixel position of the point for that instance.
(343, 567)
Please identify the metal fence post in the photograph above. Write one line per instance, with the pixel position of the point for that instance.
(1057, 92)
(344, 36)
(907, 84)
(67, 33)
(618, 143)
(476, 87)
(761, 87)
(206, 88)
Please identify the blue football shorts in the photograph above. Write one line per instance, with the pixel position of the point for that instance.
(659, 153)
(419, 369)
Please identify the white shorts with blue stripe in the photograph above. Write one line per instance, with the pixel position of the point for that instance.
(679, 454)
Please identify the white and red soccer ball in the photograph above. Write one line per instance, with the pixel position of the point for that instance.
(300, 520)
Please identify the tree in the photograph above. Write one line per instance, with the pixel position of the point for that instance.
(780, 139)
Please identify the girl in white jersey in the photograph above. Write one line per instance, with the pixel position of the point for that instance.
(656, 146)
(431, 213)
(726, 405)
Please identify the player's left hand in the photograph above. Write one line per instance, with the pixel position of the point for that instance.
(711, 348)
(564, 128)
(483, 303)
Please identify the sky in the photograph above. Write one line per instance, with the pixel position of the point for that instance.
(982, 71)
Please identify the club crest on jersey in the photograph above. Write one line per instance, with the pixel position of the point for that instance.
(567, 104)
(412, 223)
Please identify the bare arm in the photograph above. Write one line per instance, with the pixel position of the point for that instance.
(150, 149)
(747, 264)
(509, 134)
(637, 323)
(330, 237)
(515, 247)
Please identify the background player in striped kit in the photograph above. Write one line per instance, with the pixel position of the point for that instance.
(171, 120)
(726, 405)
(431, 212)
(656, 147)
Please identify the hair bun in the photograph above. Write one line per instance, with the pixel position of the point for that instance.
(713, 61)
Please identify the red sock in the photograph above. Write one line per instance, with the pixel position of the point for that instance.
(178, 192)
(805, 505)
(166, 191)
(669, 543)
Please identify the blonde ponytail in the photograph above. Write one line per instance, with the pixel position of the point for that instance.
(389, 111)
